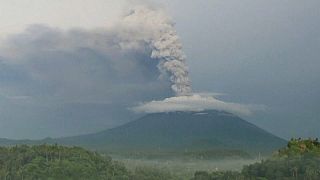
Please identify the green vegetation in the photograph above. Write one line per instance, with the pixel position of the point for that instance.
(53, 162)
(219, 175)
(212, 154)
(299, 160)
(147, 173)
(300, 147)
(291, 168)
(57, 162)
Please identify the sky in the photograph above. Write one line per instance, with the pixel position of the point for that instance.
(55, 82)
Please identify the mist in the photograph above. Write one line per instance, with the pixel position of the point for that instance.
(261, 53)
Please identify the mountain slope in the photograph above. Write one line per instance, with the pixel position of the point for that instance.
(181, 131)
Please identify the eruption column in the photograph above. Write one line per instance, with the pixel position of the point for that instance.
(157, 30)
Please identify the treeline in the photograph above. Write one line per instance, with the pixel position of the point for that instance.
(298, 168)
(212, 154)
(299, 160)
(300, 147)
(56, 162)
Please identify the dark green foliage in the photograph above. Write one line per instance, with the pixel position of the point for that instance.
(291, 168)
(53, 162)
(57, 162)
(212, 154)
(147, 173)
(299, 160)
(300, 147)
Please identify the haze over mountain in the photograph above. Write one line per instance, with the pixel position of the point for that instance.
(253, 52)
(177, 131)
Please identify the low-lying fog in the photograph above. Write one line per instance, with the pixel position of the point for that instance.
(186, 167)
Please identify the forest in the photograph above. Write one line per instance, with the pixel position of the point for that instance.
(300, 159)
(55, 162)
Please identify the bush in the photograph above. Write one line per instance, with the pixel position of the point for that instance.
(57, 162)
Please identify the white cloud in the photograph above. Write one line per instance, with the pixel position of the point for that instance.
(195, 102)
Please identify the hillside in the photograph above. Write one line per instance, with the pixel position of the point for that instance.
(57, 162)
(175, 131)
(182, 131)
(300, 159)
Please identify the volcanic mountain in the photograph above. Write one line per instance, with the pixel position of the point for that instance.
(176, 131)
(181, 131)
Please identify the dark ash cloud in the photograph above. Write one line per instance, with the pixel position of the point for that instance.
(44, 69)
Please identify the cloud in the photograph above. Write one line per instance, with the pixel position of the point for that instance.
(46, 72)
(195, 102)
(134, 59)
(78, 66)
(45, 69)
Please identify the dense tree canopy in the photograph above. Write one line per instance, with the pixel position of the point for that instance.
(300, 147)
(57, 162)
(54, 162)
(299, 160)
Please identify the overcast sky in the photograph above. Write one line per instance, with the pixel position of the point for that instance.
(254, 52)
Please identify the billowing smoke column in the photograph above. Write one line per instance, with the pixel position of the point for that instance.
(151, 27)
(155, 28)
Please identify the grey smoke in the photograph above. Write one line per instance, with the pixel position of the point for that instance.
(156, 29)
(76, 65)
(46, 70)
(45, 67)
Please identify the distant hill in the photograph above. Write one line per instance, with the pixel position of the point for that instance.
(183, 131)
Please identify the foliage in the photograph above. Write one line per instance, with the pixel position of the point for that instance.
(53, 162)
(299, 160)
(209, 154)
(57, 162)
(218, 175)
(290, 168)
(147, 173)
(300, 147)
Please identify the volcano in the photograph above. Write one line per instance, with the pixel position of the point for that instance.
(175, 131)
(181, 131)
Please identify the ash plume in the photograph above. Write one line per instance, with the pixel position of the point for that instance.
(128, 57)
(155, 28)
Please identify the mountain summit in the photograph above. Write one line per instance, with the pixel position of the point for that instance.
(182, 131)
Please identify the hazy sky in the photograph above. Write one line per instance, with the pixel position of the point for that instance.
(255, 52)
(16, 14)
